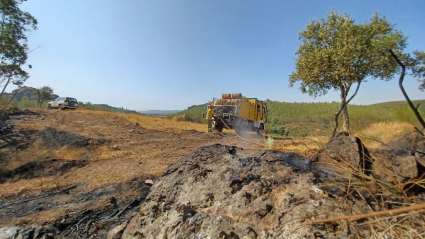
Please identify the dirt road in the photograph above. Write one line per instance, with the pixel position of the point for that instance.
(80, 173)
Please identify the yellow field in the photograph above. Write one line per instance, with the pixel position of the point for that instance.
(384, 132)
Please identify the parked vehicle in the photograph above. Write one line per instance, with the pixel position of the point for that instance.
(240, 113)
(63, 103)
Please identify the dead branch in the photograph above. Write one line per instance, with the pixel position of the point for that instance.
(367, 215)
(400, 83)
(118, 214)
(42, 196)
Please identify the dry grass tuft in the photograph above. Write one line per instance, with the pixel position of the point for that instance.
(384, 132)
(307, 146)
(390, 210)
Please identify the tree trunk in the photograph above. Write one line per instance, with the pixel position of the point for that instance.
(13, 97)
(346, 119)
(344, 107)
(336, 121)
(5, 86)
(400, 83)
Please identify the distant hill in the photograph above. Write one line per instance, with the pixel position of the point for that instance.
(159, 112)
(192, 113)
(26, 91)
(106, 107)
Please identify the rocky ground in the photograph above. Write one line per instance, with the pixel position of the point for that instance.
(77, 175)
(69, 174)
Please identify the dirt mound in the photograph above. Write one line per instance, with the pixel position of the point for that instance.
(347, 150)
(41, 169)
(227, 192)
(51, 138)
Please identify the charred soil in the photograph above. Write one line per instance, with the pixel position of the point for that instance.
(65, 174)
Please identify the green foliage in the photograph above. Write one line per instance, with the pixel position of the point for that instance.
(277, 130)
(192, 113)
(105, 107)
(281, 113)
(13, 42)
(27, 103)
(336, 53)
(418, 69)
(43, 94)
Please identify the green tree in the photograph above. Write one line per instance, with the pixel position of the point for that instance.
(418, 68)
(14, 24)
(26, 102)
(44, 93)
(336, 53)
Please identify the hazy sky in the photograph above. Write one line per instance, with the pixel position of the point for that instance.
(143, 55)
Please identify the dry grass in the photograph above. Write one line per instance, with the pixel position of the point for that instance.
(378, 196)
(33, 153)
(153, 123)
(307, 146)
(384, 132)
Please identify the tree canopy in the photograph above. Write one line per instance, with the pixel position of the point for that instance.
(44, 93)
(13, 42)
(418, 68)
(337, 52)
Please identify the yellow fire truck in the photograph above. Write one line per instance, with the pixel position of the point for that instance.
(240, 113)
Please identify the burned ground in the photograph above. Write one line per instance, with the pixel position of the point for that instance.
(41, 169)
(69, 174)
(87, 175)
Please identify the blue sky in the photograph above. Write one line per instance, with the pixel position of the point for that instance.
(173, 54)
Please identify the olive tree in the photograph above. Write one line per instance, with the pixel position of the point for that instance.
(337, 54)
(44, 93)
(418, 69)
(14, 25)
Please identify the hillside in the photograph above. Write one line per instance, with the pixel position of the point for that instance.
(30, 101)
(192, 113)
(302, 119)
(106, 107)
(159, 112)
(26, 91)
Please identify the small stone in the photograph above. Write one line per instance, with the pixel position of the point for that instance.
(149, 182)
(113, 201)
(137, 124)
(115, 147)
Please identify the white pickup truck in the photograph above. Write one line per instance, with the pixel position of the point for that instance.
(63, 103)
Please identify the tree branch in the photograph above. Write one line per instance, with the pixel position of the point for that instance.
(367, 215)
(13, 97)
(7, 83)
(400, 83)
